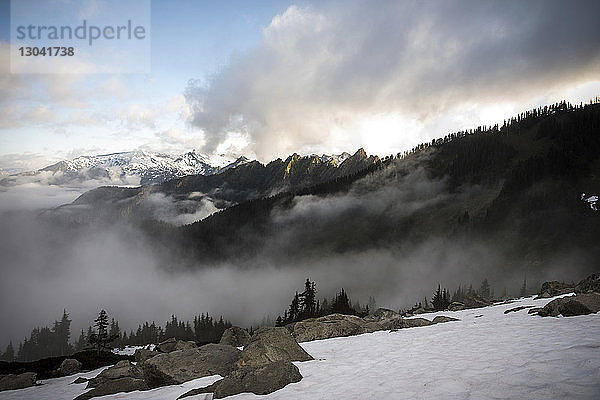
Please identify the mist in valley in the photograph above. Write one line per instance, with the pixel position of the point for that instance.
(48, 266)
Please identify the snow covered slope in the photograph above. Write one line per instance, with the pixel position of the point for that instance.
(485, 355)
(149, 167)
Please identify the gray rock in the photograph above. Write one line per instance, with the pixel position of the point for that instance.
(171, 344)
(440, 319)
(335, 325)
(270, 344)
(236, 337)
(517, 309)
(21, 381)
(535, 310)
(456, 306)
(415, 322)
(554, 288)
(259, 380)
(591, 284)
(580, 304)
(79, 380)
(122, 369)
(142, 355)
(183, 365)
(120, 385)
(69, 366)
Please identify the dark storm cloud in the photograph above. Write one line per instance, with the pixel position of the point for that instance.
(320, 69)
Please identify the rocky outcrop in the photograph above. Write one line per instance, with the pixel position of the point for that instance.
(580, 304)
(142, 355)
(591, 284)
(259, 380)
(120, 385)
(271, 344)
(440, 319)
(171, 344)
(122, 369)
(69, 366)
(336, 325)
(236, 337)
(20, 381)
(183, 365)
(456, 306)
(554, 288)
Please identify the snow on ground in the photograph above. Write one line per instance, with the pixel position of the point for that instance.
(130, 350)
(62, 389)
(485, 355)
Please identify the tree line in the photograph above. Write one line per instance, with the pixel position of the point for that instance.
(105, 333)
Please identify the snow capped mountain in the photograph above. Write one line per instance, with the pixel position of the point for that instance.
(135, 167)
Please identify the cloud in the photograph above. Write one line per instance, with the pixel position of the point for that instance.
(322, 72)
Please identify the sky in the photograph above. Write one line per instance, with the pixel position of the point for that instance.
(269, 78)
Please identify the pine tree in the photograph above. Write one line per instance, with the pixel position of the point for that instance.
(523, 291)
(101, 339)
(9, 354)
(484, 290)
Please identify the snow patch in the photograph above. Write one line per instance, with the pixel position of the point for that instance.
(591, 200)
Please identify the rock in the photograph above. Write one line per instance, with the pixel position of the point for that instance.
(69, 366)
(553, 288)
(122, 369)
(517, 309)
(21, 381)
(535, 310)
(79, 380)
(125, 384)
(183, 365)
(440, 319)
(270, 344)
(334, 325)
(259, 380)
(456, 306)
(236, 337)
(475, 301)
(591, 284)
(580, 304)
(142, 355)
(171, 344)
(415, 322)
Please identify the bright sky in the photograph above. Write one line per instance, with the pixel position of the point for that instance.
(268, 78)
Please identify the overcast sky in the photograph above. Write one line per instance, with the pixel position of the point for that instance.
(270, 78)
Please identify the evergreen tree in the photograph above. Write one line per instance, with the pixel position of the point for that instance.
(484, 290)
(9, 354)
(523, 291)
(101, 338)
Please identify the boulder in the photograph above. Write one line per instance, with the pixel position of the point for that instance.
(122, 369)
(259, 380)
(517, 309)
(171, 344)
(236, 337)
(414, 322)
(335, 325)
(183, 365)
(580, 304)
(591, 284)
(440, 319)
(476, 301)
(270, 344)
(69, 366)
(456, 306)
(142, 355)
(553, 288)
(21, 381)
(125, 384)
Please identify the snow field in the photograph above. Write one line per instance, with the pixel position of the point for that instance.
(485, 355)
